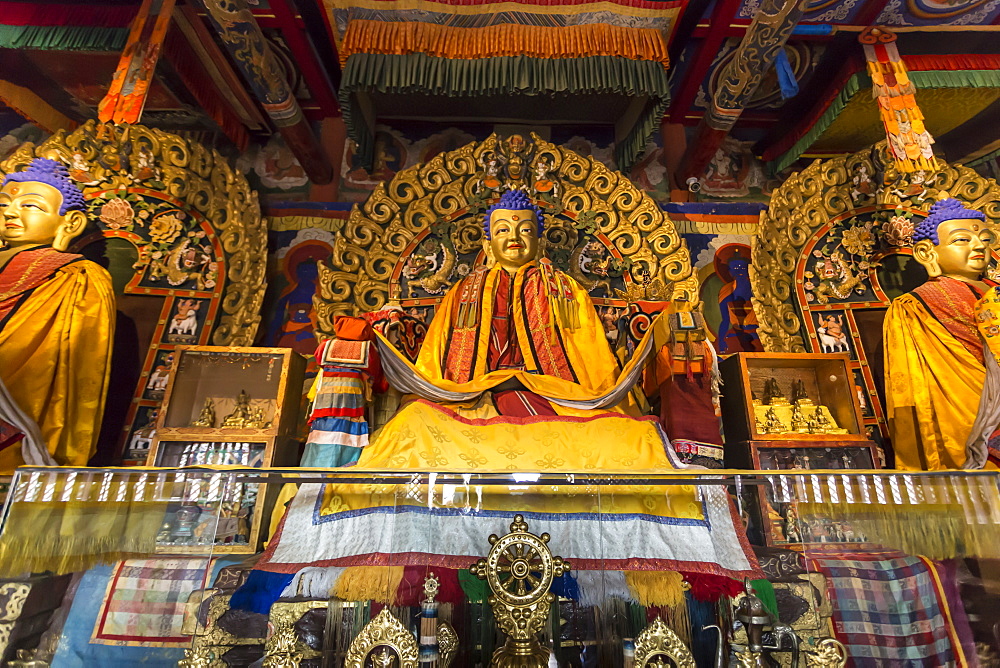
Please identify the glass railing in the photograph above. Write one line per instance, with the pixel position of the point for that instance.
(155, 566)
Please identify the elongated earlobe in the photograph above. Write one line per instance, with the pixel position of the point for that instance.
(69, 230)
(925, 253)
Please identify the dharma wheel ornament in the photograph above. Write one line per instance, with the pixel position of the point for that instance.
(519, 570)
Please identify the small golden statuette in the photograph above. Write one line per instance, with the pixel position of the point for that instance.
(824, 424)
(241, 414)
(245, 416)
(772, 424)
(799, 396)
(773, 396)
(257, 419)
(207, 416)
(799, 422)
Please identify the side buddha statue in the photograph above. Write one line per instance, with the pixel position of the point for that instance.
(57, 314)
(516, 343)
(934, 354)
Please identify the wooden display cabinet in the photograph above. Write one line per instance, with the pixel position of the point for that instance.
(829, 382)
(260, 390)
(827, 379)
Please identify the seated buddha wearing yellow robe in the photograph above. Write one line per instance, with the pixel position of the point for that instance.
(515, 374)
(934, 354)
(517, 344)
(56, 317)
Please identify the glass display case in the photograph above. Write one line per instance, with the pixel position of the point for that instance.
(806, 403)
(226, 407)
(236, 392)
(849, 540)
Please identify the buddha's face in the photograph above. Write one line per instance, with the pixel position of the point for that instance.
(962, 252)
(30, 216)
(513, 237)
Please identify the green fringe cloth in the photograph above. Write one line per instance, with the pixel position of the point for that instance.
(518, 75)
(67, 536)
(861, 81)
(936, 531)
(63, 38)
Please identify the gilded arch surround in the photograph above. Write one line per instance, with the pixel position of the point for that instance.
(408, 242)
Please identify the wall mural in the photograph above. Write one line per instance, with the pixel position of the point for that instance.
(181, 234)
(834, 248)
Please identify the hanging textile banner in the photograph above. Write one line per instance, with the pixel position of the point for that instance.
(127, 95)
(909, 141)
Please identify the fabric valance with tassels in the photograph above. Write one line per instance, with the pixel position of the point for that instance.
(508, 75)
(977, 74)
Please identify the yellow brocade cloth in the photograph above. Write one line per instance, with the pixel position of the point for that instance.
(55, 355)
(543, 324)
(933, 379)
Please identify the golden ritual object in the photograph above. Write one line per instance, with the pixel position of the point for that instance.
(829, 653)
(658, 642)
(197, 657)
(447, 644)
(520, 569)
(26, 659)
(385, 633)
(280, 651)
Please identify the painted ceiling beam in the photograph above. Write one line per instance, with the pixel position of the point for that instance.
(252, 55)
(702, 63)
(772, 25)
(305, 58)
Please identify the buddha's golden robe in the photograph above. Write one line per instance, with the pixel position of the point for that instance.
(537, 326)
(563, 358)
(934, 373)
(57, 315)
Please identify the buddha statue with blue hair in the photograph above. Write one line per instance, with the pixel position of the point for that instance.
(56, 318)
(515, 343)
(514, 375)
(934, 353)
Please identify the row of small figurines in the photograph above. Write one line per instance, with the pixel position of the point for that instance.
(773, 396)
(244, 416)
(801, 422)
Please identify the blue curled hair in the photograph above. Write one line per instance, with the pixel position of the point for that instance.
(941, 211)
(55, 174)
(514, 200)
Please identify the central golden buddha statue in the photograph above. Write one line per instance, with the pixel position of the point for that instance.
(515, 374)
(515, 371)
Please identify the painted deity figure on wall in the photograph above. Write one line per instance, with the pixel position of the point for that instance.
(934, 354)
(738, 324)
(57, 314)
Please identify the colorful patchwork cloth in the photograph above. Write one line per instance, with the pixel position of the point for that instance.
(145, 599)
(896, 611)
